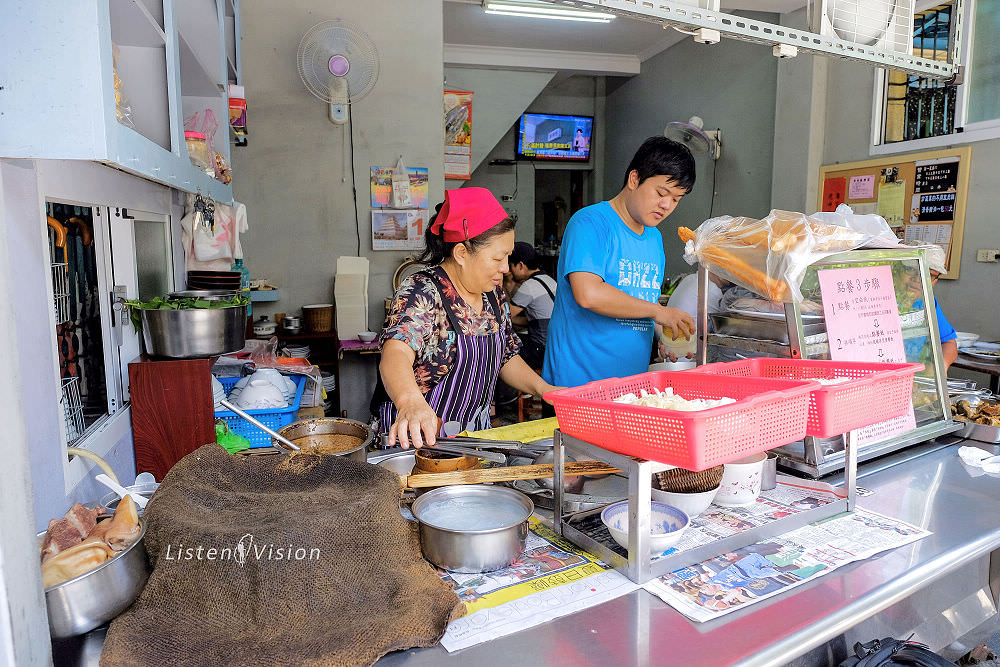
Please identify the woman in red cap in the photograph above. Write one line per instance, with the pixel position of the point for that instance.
(448, 334)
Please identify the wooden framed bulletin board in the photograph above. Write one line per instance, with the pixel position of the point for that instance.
(921, 195)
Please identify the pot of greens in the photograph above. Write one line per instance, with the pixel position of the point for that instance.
(185, 325)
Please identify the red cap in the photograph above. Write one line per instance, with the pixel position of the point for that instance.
(467, 212)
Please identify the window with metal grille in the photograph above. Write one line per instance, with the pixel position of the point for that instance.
(917, 107)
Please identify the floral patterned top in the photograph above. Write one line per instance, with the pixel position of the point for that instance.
(417, 317)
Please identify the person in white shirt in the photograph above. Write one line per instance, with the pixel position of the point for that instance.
(532, 301)
(685, 297)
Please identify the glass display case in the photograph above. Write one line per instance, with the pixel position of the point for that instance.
(804, 336)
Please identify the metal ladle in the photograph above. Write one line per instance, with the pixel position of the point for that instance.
(280, 438)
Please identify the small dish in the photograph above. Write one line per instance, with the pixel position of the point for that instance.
(367, 336)
(667, 525)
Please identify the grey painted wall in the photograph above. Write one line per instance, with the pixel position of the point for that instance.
(731, 85)
(969, 302)
(302, 213)
(571, 95)
(301, 206)
(500, 97)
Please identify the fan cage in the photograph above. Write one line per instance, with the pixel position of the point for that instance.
(327, 39)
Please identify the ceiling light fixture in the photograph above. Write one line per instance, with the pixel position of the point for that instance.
(543, 10)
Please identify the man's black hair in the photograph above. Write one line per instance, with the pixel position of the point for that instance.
(524, 252)
(659, 156)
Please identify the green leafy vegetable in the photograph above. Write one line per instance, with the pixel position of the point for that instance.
(179, 303)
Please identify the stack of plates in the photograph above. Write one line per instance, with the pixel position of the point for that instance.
(217, 280)
(218, 393)
(298, 350)
(982, 351)
(329, 381)
(966, 339)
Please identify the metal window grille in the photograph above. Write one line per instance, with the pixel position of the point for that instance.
(920, 107)
(72, 405)
(60, 291)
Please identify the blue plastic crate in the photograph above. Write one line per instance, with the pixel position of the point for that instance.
(274, 418)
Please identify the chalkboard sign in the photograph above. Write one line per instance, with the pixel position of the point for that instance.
(921, 195)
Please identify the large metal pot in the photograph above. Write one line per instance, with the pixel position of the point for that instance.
(94, 598)
(196, 332)
(473, 550)
(307, 429)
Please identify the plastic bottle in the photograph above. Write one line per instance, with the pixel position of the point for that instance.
(244, 282)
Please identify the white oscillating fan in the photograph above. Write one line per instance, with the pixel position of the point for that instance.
(698, 140)
(338, 64)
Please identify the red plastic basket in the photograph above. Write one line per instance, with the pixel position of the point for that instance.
(767, 413)
(875, 393)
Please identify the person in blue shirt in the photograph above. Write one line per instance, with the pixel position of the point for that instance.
(949, 338)
(610, 271)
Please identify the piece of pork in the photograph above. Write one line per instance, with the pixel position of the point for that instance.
(70, 530)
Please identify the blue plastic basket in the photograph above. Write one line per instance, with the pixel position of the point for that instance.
(273, 418)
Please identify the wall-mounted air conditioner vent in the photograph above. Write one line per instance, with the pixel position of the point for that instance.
(886, 25)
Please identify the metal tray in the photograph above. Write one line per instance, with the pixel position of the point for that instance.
(761, 327)
(979, 432)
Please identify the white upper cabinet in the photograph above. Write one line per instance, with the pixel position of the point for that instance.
(172, 58)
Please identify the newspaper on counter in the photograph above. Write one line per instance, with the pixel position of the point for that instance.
(552, 578)
(791, 496)
(732, 581)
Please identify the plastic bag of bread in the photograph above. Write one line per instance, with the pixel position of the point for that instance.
(770, 256)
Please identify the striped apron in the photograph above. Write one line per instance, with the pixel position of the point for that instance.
(465, 394)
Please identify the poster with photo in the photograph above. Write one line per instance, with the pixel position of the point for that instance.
(398, 229)
(458, 134)
(381, 187)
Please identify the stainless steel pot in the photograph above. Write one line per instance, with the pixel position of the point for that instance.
(197, 332)
(94, 598)
(473, 550)
(333, 426)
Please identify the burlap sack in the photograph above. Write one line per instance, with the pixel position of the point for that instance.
(312, 565)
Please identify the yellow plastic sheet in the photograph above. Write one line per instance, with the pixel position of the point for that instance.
(529, 431)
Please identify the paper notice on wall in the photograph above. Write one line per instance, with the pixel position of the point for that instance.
(892, 202)
(862, 324)
(458, 134)
(381, 187)
(861, 187)
(939, 175)
(398, 229)
(833, 193)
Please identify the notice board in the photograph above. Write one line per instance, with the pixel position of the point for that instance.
(921, 195)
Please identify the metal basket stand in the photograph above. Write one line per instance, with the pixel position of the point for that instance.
(639, 566)
(60, 291)
(72, 405)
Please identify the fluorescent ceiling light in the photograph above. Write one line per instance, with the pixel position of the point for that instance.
(542, 10)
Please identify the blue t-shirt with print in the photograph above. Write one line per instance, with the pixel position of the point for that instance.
(582, 345)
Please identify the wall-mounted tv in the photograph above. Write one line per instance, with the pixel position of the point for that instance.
(546, 136)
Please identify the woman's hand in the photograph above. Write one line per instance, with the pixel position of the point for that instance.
(415, 423)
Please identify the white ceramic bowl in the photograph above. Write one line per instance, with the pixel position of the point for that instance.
(261, 395)
(367, 336)
(668, 524)
(691, 504)
(741, 481)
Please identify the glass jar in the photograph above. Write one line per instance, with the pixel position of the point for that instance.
(197, 148)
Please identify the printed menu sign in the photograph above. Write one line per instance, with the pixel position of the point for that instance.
(862, 324)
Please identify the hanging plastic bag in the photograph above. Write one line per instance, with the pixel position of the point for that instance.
(400, 185)
(123, 110)
(770, 256)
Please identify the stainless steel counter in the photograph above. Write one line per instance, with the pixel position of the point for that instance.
(937, 588)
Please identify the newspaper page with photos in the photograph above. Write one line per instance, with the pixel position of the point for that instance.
(552, 578)
(732, 581)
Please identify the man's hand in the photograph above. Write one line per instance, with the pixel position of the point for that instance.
(677, 321)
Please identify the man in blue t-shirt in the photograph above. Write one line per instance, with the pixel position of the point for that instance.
(610, 271)
(949, 338)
